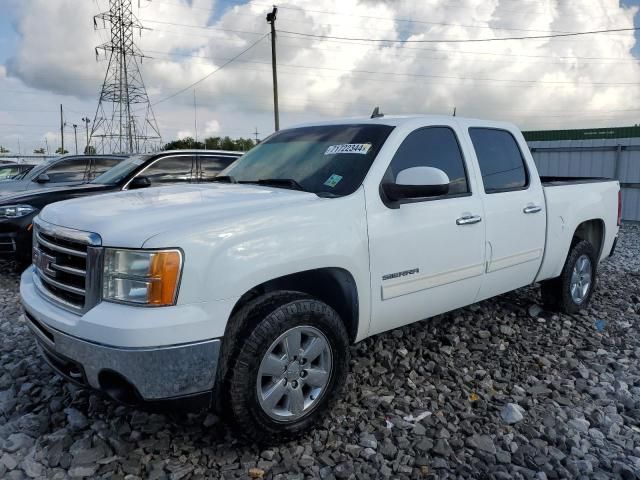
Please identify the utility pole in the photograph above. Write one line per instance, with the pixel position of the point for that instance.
(75, 134)
(86, 122)
(46, 142)
(61, 131)
(195, 115)
(256, 134)
(271, 18)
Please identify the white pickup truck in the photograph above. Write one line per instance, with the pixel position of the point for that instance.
(245, 294)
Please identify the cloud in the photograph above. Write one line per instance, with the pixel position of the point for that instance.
(212, 127)
(545, 83)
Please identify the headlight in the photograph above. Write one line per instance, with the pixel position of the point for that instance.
(141, 277)
(16, 211)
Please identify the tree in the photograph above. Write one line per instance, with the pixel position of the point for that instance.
(212, 143)
(89, 150)
(39, 151)
(182, 144)
(4, 150)
(61, 152)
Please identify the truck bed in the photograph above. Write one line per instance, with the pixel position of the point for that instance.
(548, 181)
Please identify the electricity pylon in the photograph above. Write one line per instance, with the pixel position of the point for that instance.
(124, 121)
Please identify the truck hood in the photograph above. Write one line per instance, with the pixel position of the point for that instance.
(128, 219)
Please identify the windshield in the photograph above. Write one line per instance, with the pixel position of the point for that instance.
(329, 160)
(121, 170)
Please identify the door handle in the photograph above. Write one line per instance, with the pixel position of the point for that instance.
(468, 220)
(532, 208)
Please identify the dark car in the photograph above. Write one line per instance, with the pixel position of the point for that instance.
(138, 171)
(12, 171)
(62, 171)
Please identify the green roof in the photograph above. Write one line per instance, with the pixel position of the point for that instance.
(583, 134)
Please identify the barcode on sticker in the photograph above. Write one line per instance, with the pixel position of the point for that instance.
(361, 148)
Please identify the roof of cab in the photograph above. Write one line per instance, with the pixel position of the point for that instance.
(201, 150)
(397, 120)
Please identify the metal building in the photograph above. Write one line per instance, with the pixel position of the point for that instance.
(600, 152)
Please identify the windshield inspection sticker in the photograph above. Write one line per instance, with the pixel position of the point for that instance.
(361, 148)
(333, 180)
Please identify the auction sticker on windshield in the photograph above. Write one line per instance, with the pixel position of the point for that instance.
(361, 148)
(333, 180)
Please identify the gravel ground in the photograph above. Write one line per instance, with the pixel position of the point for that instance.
(498, 390)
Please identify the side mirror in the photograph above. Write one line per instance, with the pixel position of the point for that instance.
(417, 182)
(42, 178)
(139, 182)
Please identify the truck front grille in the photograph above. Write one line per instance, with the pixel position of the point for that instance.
(67, 265)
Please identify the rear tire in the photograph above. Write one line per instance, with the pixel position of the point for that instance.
(572, 290)
(288, 367)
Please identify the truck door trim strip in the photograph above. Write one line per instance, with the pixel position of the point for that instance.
(404, 287)
(512, 260)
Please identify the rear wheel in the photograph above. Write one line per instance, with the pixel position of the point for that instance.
(572, 290)
(288, 369)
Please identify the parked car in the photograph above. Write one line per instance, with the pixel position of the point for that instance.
(182, 166)
(10, 171)
(246, 293)
(62, 171)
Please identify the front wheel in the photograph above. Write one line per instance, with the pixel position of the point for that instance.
(572, 290)
(288, 370)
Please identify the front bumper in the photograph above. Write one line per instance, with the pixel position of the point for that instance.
(128, 374)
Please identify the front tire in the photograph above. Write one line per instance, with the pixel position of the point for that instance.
(572, 290)
(288, 370)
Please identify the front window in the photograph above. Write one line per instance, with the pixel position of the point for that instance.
(37, 170)
(121, 171)
(71, 170)
(329, 160)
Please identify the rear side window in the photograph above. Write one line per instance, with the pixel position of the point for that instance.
(433, 147)
(501, 162)
(101, 165)
(211, 165)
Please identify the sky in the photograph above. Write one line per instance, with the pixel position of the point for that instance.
(48, 58)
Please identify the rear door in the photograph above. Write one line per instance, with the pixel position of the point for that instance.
(514, 209)
(212, 164)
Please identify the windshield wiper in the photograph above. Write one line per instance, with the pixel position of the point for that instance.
(224, 178)
(277, 182)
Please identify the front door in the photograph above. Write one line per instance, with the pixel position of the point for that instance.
(427, 255)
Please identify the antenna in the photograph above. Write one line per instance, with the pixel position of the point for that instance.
(377, 113)
(115, 127)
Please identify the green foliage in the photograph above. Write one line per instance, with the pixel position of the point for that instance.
(61, 151)
(89, 150)
(4, 150)
(212, 143)
(39, 151)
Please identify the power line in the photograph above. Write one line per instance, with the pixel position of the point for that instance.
(202, 26)
(419, 75)
(404, 47)
(212, 72)
(466, 40)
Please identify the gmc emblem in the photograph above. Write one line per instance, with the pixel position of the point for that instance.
(43, 262)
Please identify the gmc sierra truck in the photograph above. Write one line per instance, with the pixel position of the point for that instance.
(245, 294)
